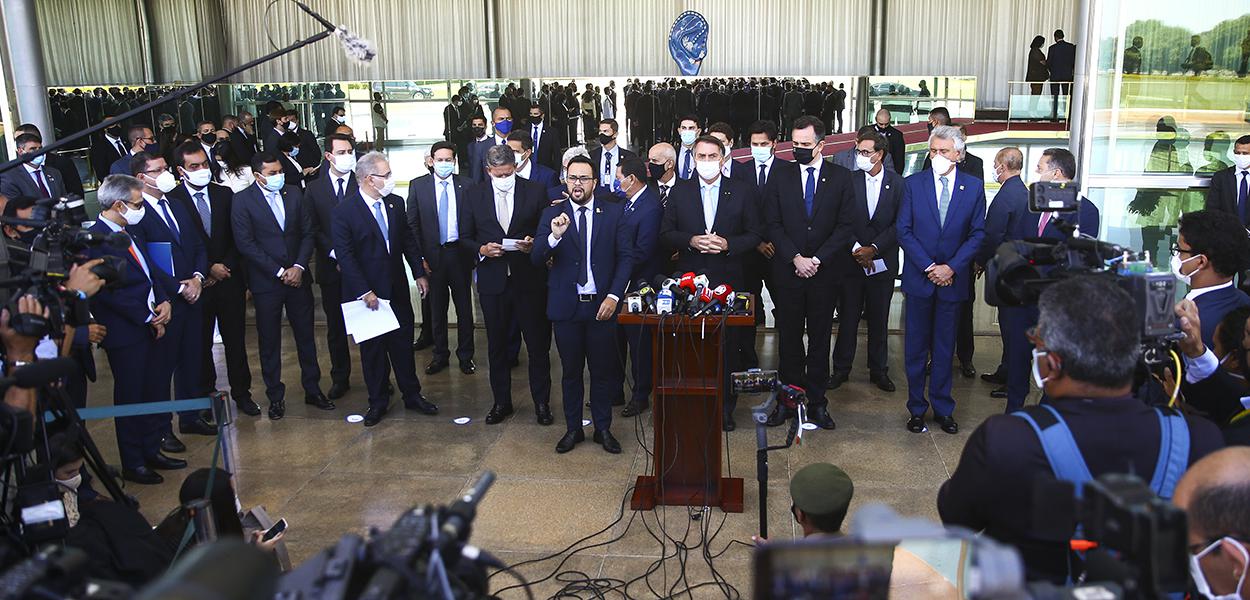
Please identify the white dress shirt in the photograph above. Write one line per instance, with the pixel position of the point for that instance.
(872, 189)
(453, 225)
(154, 204)
(1195, 292)
(950, 184)
(386, 219)
(590, 288)
(114, 142)
(37, 174)
(607, 169)
(709, 194)
(768, 169)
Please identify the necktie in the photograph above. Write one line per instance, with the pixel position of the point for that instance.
(121, 150)
(377, 216)
(607, 166)
(809, 190)
(1042, 220)
(279, 211)
(502, 211)
(135, 255)
(944, 201)
(1243, 194)
(206, 217)
(341, 191)
(442, 213)
(664, 195)
(169, 220)
(583, 275)
(709, 206)
(762, 178)
(43, 188)
(685, 168)
(534, 136)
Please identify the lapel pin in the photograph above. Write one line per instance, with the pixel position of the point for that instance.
(961, 188)
(598, 210)
(887, 186)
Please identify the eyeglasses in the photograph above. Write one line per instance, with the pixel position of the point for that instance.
(579, 178)
(865, 153)
(135, 205)
(161, 170)
(1176, 249)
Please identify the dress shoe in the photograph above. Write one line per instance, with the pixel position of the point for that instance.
(883, 382)
(197, 427)
(836, 379)
(338, 390)
(608, 442)
(967, 370)
(435, 366)
(916, 424)
(948, 423)
(497, 414)
(727, 423)
(421, 405)
(422, 343)
(248, 407)
(142, 475)
(998, 377)
(373, 416)
(819, 417)
(543, 412)
(570, 439)
(320, 401)
(172, 444)
(634, 409)
(165, 463)
(1000, 393)
(468, 367)
(277, 409)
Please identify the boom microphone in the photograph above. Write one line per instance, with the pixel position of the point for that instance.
(357, 48)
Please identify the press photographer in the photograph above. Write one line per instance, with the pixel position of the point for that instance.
(1087, 345)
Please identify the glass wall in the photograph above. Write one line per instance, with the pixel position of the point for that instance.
(909, 99)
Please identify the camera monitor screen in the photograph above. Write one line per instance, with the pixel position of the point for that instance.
(811, 569)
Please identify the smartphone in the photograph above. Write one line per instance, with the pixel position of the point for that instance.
(273, 532)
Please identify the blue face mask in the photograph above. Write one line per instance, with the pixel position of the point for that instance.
(275, 182)
(38, 160)
(761, 153)
(503, 127)
(294, 152)
(443, 169)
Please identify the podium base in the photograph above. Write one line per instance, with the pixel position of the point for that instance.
(650, 492)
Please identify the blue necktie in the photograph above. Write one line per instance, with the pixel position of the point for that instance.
(762, 178)
(607, 165)
(206, 216)
(169, 220)
(341, 191)
(944, 201)
(809, 190)
(583, 274)
(377, 216)
(442, 213)
(1243, 195)
(685, 169)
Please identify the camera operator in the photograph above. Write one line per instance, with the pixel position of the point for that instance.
(1087, 347)
(1214, 494)
(1209, 252)
(1215, 377)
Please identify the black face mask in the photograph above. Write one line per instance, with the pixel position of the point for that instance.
(114, 130)
(208, 138)
(803, 156)
(655, 171)
(605, 139)
(536, 120)
(479, 131)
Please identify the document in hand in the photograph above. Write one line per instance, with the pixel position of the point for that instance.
(364, 324)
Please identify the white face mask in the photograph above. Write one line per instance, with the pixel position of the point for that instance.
(520, 158)
(863, 163)
(1200, 578)
(165, 182)
(504, 184)
(133, 216)
(388, 186)
(1037, 373)
(72, 483)
(345, 163)
(707, 169)
(1242, 161)
(199, 178)
(941, 164)
(687, 137)
(1177, 265)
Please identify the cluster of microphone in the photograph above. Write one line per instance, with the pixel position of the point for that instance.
(686, 294)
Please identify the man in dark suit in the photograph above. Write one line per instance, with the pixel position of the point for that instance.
(280, 120)
(63, 165)
(941, 224)
(510, 287)
(106, 148)
(477, 149)
(273, 230)
(168, 224)
(1210, 250)
(757, 172)
(437, 210)
(546, 147)
(873, 213)
(641, 223)
(522, 149)
(590, 253)
(371, 243)
(242, 142)
(713, 223)
(135, 313)
(335, 182)
(608, 156)
(896, 150)
(501, 119)
(687, 132)
(1230, 188)
(309, 156)
(141, 139)
(207, 206)
(1061, 60)
(33, 179)
(807, 215)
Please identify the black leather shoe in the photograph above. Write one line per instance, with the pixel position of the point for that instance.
(319, 401)
(967, 370)
(373, 416)
(277, 409)
(165, 463)
(172, 444)
(421, 405)
(197, 427)
(916, 424)
(338, 390)
(435, 366)
(836, 379)
(142, 476)
(570, 439)
(248, 407)
(883, 383)
(634, 409)
(608, 442)
(819, 416)
(543, 412)
(468, 367)
(727, 423)
(1000, 393)
(948, 424)
(998, 377)
(497, 414)
(422, 343)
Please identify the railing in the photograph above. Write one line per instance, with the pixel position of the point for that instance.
(1038, 101)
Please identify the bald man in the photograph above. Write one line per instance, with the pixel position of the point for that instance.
(1215, 492)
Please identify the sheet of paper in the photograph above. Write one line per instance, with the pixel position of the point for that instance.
(878, 266)
(364, 324)
(509, 245)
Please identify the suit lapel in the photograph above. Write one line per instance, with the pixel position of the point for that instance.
(931, 197)
(287, 209)
(861, 194)
(821, 184)
(723, 201)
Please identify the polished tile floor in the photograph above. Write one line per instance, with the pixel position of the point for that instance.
(328, 477)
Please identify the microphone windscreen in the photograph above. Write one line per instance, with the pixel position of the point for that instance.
(43, 372)
(357, 48)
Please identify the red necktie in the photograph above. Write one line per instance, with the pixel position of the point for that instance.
(1041, 223)
(43, 189)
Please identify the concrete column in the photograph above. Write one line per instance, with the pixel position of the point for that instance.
(876, 61)
(1085, 78)
(30, 82)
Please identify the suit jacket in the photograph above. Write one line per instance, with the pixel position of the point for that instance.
(897, 150)
(121, 166)
(187, 247)
(926, 240)
(65, 166)
(543, 176)
(320, 197)
(1061, 59)
(1088, 215)
(243, 144)
(825, 234)
(18, 182)
(641, 223)
(546, 148)
(477, 158)
(1223, 193)
(102, 155)
(610, 256)
(880, 230)
(267, 247)
(846, 159)
(309, 150)
(481, 225)
(219, 247)
(596, 156)
(367, 264)
(738, 220)
(271, 139)
(422, 209)
(123, 308)
(294, 172)
(1003, 221)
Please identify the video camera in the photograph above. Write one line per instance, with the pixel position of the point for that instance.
(1021, 269)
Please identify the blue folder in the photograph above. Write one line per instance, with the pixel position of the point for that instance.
(161, 254)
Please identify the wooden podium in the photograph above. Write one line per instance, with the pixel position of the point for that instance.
(689, 393)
